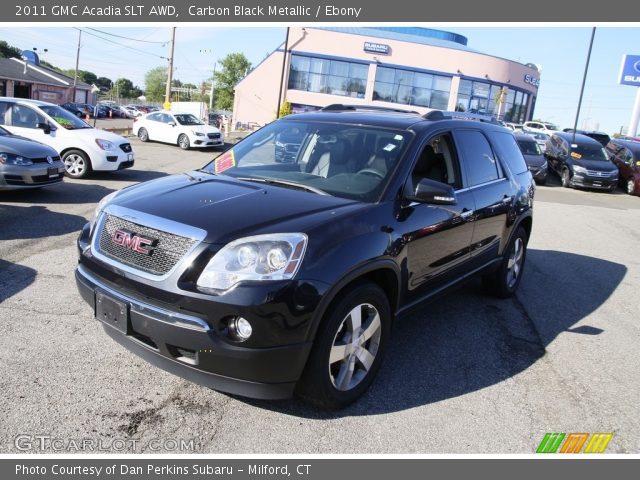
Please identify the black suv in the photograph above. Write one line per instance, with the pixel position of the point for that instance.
(260, 277)
(580, 161)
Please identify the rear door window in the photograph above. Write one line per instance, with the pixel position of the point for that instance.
(480, 162)
(510, 153)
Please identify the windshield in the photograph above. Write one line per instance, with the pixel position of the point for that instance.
(528, 147)
(349, 161)
(589, 152)
(63, 117)
(188, 119)
(550, 126)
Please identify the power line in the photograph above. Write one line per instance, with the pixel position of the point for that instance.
(126, 38)
(121, 45)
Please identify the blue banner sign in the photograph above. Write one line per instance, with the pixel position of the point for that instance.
(630, 70)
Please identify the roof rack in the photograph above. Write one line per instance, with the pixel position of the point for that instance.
(444, 115)
(334, 107)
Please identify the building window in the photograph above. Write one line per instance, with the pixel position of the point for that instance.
(516, 106)
(328, 76)
(3, 91)
(480, 97)
(412, 88)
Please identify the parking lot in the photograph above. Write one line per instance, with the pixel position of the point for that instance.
(468, 374)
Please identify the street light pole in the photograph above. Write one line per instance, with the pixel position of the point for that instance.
(213, 79)
(284, 62)
(167, 93)
(584, 80)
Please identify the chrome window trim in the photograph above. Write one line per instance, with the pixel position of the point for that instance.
(147, 220)
(473, 187)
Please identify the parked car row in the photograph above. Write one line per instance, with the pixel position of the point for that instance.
(177, 128)
(81, 147)
(584, 159)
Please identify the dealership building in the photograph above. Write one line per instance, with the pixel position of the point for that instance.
(411, 68)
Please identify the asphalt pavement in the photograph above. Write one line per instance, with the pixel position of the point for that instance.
(468, 374)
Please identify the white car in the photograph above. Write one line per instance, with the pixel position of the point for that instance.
(540, 127)
(81, 147)
(182, 129)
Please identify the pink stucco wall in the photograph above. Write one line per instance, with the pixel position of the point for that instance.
(257, 95)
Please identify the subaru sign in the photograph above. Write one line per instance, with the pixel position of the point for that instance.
(630, 70)
(372, 47)
(531, 80)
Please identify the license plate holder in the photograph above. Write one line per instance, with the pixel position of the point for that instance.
(52, 172)
(112, 312)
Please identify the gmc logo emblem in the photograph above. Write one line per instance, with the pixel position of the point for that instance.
(134, 242)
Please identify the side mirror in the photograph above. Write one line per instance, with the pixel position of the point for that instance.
(173, 124)
(430, 191)
(45, 127)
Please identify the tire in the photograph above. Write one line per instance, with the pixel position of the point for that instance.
(505, 281)
(565, 178)
(143, 135)
(340, 370)
(631, 186)
(183, 142)
(76, 164)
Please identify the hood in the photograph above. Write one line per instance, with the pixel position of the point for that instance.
(201, 128)
(227, 208)
(90, 135)
(598, 165)
(534, 160)
(26, 147)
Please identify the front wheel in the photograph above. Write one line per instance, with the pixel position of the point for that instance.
(76, 164)
(143, 135)
(504, 282)
(348, 349)
(631, 186)
(183, 142)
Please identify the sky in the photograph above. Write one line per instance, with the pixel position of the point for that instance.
(561, 51)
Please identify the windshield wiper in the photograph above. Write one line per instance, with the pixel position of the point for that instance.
(284, 183)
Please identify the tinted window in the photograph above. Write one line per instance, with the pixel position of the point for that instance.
(511, 152)
(23, 116)
(479, 159)
(154, 117)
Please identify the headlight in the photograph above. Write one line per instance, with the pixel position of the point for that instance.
(101, 204)
(580, 170)
(257, 258)
(12, 159)
(105, 144)
(197, 134)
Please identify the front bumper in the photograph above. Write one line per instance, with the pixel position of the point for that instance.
(188, 345)
(600, 183)
(30, 176)
(203, 142)
(112, 160)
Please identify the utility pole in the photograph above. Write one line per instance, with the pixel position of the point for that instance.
(213, 80)
(584, 80)
(75, 77)
(167, 94)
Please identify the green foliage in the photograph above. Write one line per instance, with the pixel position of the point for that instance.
(8, 51)
(123, 88)
(285, 109)
(155, 82)
(234, 68)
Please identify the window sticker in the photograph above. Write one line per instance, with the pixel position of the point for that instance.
(398, 137)
(576, 155)
(224, 162)
(389, 148)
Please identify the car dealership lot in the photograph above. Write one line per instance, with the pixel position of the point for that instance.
(468, 374)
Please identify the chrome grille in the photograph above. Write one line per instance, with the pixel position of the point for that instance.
(168, 251)
(598, 173)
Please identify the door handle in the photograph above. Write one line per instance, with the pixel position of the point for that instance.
(466, 215)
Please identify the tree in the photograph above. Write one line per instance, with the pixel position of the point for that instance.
(83, 75)
(123, 88)
(8, 51)
(155, 82)
(234, 68)
(104, 84)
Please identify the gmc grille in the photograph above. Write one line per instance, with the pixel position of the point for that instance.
(166, 254)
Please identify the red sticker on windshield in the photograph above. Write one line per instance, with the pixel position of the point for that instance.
(224, 162)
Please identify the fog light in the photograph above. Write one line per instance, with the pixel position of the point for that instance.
(240, 328)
